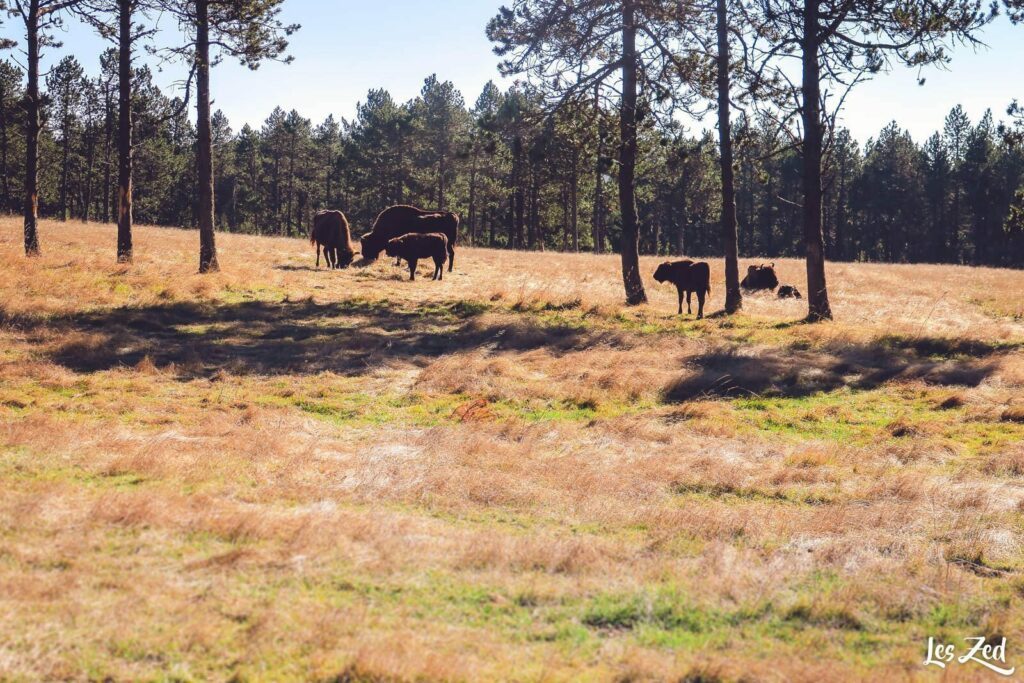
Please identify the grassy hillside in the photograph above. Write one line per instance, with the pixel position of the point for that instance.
(275, 473)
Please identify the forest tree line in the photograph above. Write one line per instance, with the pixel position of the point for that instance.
(534, 167)
(518, 177)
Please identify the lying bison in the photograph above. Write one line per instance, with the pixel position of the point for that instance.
(789, 292)
(413, 246)
(400, 220)
(688, 277)
(331, 231)
(760, 277)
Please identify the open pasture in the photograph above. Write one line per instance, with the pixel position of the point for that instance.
(280, 473)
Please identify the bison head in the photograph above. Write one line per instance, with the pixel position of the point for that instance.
(370, 246)
(662, 273)
(392, 247)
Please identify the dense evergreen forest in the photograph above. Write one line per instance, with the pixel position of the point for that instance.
(518, 177)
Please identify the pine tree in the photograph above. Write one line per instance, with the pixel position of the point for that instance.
(840, 38)
(248, 30)
(40, 19)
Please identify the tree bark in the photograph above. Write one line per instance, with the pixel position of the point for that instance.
(207, 245)
(124, 133)
(32, 128)
(629, 247)
(598, 176)
(817, 290)
(5, 202)
(733, 296)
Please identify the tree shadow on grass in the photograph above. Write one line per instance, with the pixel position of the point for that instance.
(283, 338)
(736, 372)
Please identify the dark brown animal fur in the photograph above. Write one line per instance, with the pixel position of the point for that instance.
(399, 220)
(414, 246)
(331, 231)
(760, 277)
(688, 277)
(789, 292)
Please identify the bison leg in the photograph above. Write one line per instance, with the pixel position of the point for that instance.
(412, 269)
(318, 257)
(337, 257)
(689, 308)
(679, 291)
(700, 304)
(451, 257)
(438, 268)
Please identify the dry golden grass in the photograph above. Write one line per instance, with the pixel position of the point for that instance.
(283, 474)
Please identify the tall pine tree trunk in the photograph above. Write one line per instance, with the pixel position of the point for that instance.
(65, 175)
(32, 128)
(5, 202)
(124, 133)
(630, 247)
(814, 240)
(733, 296)
(207, 246)
(598, 176)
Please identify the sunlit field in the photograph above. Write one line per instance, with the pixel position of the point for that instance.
(280, 473)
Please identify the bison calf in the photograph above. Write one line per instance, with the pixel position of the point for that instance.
(415, 246)
(789, 292)
(688, 277)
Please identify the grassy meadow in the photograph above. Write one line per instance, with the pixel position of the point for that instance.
(279, 473)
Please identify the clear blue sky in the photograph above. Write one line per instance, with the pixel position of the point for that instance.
(346, 47)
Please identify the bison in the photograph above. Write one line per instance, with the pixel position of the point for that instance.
(688, 277)
(331, 231)
(396, 221)
(789, 292)
(414, 246)
(760, 277)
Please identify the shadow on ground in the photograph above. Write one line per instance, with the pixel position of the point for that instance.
(273, 338)
(738, 371)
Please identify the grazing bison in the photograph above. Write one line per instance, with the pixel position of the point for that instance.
(414, 245)
(331, 231)
(688, 277)
(760, 277)
(396, 221)
(789, 292)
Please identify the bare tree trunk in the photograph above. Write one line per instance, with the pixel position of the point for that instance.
(574, 204)
(536, 236)
(817, 291)
(207, 246)
(733, 296)
(5, 203)
(108, 135)
(124, 133)
(595, 225)
(32, 129)
(630, 247)
(65, 154)
(472, 200)
(518, 193)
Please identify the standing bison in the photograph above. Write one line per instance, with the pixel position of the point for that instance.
(399, 220)
(413, 246)
(331, 231)
(760, 277)
(688, 277)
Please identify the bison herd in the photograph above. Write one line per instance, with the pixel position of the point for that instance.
(409, 233)
(393, 230)
(691, 277)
